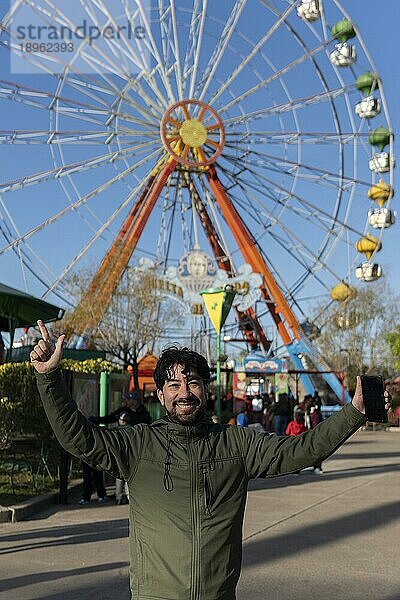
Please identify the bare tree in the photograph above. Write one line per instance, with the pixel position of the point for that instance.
(136, 317)
(354, 334)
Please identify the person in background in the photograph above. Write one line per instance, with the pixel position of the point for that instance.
(133, 409)
(92, 480)
(315, 417)
(296, 426)
(121, 487)
(242, 419)
(282, 414)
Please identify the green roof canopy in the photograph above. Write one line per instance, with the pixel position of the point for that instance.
(18, 309)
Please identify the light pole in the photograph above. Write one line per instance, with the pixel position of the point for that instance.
(218, 303)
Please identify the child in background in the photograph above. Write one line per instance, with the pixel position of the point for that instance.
(297, 426)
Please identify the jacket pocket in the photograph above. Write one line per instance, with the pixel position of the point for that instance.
(207, 493)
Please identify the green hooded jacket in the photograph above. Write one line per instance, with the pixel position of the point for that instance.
(187, 488)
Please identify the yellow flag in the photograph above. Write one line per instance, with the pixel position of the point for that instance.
(218, 304)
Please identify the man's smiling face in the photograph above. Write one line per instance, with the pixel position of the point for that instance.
(184, 396)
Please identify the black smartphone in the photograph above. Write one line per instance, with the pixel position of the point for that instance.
(374, 399)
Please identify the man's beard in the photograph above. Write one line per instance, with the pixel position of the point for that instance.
(189, 419)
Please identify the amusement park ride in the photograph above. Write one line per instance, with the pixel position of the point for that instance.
(203, 130)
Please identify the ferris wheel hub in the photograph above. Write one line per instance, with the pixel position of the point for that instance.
(193, 133)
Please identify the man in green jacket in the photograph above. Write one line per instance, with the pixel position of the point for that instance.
(187, 476)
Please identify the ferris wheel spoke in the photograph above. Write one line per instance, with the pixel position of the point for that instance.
(282, 242)
(128, 51)
(99, 233)
(22, 252)
(254, 215)
(277, 75)
(195, 41)
(145, 74)
(330, 224)
(25, 252)
(255, 50)
(32, 97)
(117, 50)
(67, 169)
(291, 235)
(223, 41)
(152, 46)
(168, 21)
(150, 113)
(81, 201)
(72, 137)
(308, 208)
(46, 64)
(293, 137)
(266, 160)
(174, 44)
(54, 14)
(84, 79)
(284, 107)
(290, 291)
(91, 88)
(46, 101)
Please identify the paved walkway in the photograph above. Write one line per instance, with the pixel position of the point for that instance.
(306, 537)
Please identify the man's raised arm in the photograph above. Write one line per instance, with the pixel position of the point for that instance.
(270, 455)
(76, 434)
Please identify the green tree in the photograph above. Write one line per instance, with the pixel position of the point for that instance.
(393, 339)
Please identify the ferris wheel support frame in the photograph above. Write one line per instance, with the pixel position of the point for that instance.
(224, 263)
(282, 313)
(88, 313)
(284, 318)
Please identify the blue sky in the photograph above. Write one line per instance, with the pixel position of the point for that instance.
(379, 29)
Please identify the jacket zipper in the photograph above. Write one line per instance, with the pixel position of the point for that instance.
(195, 592)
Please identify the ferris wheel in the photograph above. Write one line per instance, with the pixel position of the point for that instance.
(244, 136)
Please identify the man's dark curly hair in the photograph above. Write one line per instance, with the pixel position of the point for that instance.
(189, 359)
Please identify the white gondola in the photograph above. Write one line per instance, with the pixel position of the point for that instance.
(368, 107)
(344, 55)
(381, 218)
(381, 162)
(368, 271)
(309, 10)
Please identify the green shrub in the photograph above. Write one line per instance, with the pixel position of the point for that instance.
(91, 365)
(21, 404)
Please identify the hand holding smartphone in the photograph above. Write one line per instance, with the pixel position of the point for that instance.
(374, 399)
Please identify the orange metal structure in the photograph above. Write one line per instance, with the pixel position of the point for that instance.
(225, 264)
(94, 303)
(183, 141)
